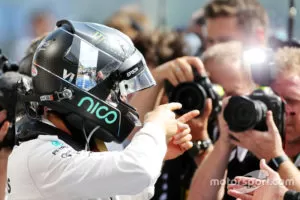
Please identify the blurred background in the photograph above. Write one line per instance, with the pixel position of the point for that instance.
(21, 21)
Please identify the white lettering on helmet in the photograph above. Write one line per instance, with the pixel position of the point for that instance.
(68, 76)
(132, 72)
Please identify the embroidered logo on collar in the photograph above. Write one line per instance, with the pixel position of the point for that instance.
(56, 143)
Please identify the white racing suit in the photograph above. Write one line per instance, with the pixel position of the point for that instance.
(47, 168)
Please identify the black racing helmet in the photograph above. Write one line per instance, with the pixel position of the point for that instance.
(81, 70)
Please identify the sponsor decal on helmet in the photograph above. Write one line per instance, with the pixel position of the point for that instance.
(98, 37)
(132, 72)
(101, 112)
(68, 76)
(34, 71)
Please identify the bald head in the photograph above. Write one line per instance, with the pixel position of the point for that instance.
(224, 65)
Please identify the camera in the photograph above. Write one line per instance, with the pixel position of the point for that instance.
(8, 101)
(9, 97)
(249, 112)
(5, 65)
(192, 95)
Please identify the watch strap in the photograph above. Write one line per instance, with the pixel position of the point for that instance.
(275, 163)
(199, 145)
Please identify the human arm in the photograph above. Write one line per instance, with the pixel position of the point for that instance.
(105, 174)
(212, 170)
(199, 131)
(267, 145)
(210, 175)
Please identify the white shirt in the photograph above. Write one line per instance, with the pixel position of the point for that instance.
(47, 168)
(238, 152)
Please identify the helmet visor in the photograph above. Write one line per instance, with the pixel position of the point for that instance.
(141, 81)
(87, 69)
(95, 65)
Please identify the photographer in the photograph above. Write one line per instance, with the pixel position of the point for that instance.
(224, 67)
(158, 48)
(286, 84)
(245, 21)
(240, 20)
(56, 121)
(268, 145)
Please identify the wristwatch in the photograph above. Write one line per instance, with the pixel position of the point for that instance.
(199, 145)
(275, 163)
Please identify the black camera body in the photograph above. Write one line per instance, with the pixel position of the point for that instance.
(5, 65)
(8, 101)
(9, 80)
(249, 112)
(193, 95)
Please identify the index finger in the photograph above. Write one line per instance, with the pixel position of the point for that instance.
(271, 124)
(173, 106)
(196, 63)
(188, 116)
(225, 101)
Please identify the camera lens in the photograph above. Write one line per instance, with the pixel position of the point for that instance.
(242, 113)
(192, 96)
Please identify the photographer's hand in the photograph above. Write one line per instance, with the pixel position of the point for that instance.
(216, 160)
(224, 139)
(199, 131)
(266, 145)
(178, 70)
(199, 125)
